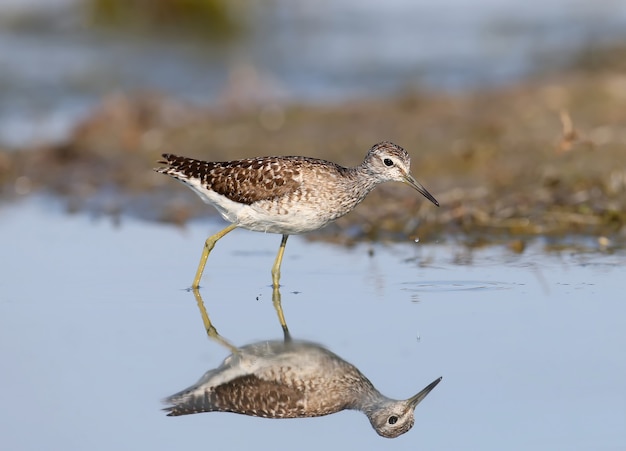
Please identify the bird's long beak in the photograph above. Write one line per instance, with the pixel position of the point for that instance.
(415, 400)
(410, 180)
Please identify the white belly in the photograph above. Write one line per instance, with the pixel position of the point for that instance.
(268, 216)
(306, 210)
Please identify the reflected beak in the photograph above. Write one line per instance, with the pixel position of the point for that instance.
(415, 400)
(410, 180)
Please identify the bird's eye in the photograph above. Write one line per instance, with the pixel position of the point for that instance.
(388, 162)
(392, 419)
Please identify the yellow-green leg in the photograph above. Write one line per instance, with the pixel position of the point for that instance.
(276, 300)
(209, 244)
(277, 263)
(210, 329)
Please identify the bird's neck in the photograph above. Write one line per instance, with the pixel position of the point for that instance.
(362, 180)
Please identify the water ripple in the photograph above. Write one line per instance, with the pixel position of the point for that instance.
(444, 286)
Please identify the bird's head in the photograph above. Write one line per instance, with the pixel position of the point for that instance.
(390, 162)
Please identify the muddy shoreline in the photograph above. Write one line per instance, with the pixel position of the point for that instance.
(541, 158)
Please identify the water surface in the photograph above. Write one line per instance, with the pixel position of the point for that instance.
(96, 327)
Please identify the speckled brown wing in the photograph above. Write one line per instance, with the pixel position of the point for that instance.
(248, 395)
(244, 181)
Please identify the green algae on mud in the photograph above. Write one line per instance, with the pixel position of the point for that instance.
(543, 157)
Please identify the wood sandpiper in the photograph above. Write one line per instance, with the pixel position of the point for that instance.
(287, 195)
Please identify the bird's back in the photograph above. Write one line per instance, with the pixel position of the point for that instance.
(244, 181)
(287, 195)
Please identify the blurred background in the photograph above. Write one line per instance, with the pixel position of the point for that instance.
(58, 58)
(515, 111)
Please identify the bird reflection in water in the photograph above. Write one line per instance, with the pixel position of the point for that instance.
(290, 379)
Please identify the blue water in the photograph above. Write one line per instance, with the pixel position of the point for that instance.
(96, 327)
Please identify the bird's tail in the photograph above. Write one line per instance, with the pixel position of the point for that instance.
(175, 165)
